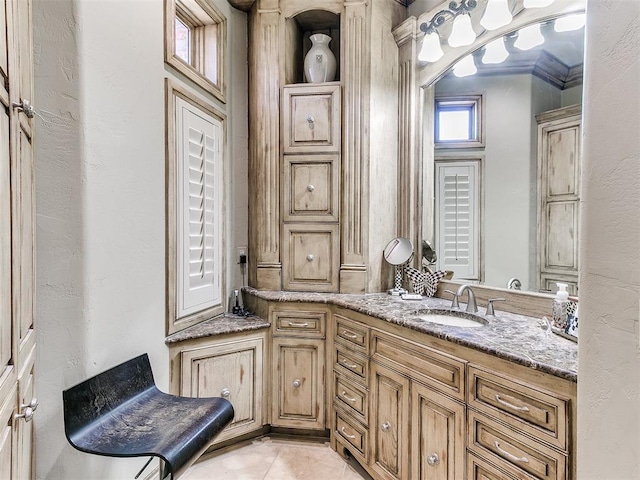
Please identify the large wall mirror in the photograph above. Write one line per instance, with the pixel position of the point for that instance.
(501, 159)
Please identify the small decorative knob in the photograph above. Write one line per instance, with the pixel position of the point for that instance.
(25, 107)
(385, 426)
(433, 459)
(27, 415)
(310, 258)
(33, 404)
(310, 119)
(297, 383)
(225, 393)
(310, 188)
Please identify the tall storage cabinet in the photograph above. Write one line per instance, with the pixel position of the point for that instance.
(559, 137)
(311, 193)
(322, 160)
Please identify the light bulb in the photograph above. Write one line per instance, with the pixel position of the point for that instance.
(570, 22)
(496, 15)
(465, 67)
(462, 33)
(495, 52)
(431, 50)
(529, 37)
(537, 3)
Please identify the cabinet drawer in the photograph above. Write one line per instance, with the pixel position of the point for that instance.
(301, 323)
(438, 370)
(350, 431)
(311, 254)
(536, 413)
(311, 192)
(480, 469)
(350, 363)
(495, 441)
(351, 397)
(352, 334)
(311, 116)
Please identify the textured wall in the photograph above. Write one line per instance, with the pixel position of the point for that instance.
(99, 153)
(609, 369)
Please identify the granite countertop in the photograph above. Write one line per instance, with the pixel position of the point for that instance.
(516, 338)
(227, 323)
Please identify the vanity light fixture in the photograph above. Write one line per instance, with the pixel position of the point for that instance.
(496, 15)
(461, 34)
(529, 37)
(495, 52)
(570, 23)
(537, 3)
(431, 50)
(465, 67)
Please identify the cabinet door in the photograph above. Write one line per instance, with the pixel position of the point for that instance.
(298, 383)
(437, 436)
(389, 423)
(311, 192)
(311, 257)
(311, 116)
(232, 370)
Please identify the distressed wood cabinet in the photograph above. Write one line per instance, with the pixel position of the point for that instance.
(298, 366)
(338, 159)
(559, 138)
(230, 367)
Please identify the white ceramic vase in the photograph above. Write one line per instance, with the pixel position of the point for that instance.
(320, 63)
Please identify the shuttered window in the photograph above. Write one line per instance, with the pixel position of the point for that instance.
(457, 218)
(199, 209)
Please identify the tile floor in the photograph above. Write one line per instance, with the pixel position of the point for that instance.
(269, 458)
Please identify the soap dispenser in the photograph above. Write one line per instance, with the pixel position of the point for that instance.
(560, 307)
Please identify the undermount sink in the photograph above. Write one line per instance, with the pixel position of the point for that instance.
(453, 320)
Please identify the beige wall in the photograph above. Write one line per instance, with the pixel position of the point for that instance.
(100, 211)
(609, 350)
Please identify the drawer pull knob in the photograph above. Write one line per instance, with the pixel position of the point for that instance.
(298, 324)
(385, 427)
(349, 334)
(310, 119)
(524, 408)
(297, 383)
(225, 393)
(310, 258)
(310, 188)
(344, 432)
(345, 396)
(510, 456)
(346, 363)
(433, 459)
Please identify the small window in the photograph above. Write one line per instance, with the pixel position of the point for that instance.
(195, 45)
(183, 40)
(458, 122)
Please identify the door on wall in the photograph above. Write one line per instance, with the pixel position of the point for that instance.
(17, 336)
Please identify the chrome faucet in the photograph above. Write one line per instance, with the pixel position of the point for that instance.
(472, 307)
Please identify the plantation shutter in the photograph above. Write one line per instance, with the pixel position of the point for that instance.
(457, 206)
(199, 209)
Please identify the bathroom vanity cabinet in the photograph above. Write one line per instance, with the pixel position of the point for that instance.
(402, 402)
(298, 366)
(228, 366)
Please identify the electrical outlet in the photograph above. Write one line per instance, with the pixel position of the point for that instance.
(240, 251)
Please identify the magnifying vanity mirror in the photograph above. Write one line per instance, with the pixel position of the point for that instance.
(501, 183)
(398, 252)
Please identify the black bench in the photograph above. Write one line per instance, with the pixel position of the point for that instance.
(121, 413)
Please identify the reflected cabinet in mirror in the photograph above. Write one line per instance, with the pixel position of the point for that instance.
(501, 160)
